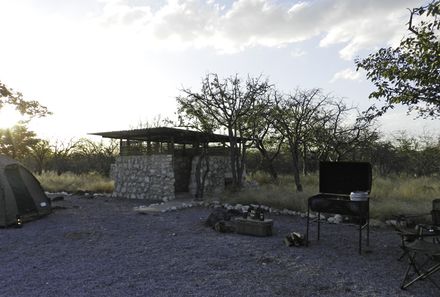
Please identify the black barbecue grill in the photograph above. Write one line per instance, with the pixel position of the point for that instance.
(337, 180)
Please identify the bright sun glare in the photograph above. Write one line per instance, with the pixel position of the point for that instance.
(9, 117)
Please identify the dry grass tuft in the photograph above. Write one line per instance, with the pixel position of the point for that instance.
(70, 182)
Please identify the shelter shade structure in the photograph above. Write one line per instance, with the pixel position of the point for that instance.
(163, 139)
(157, 163)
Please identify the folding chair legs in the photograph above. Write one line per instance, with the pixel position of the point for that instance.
(421, 275)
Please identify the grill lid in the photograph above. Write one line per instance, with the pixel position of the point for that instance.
(344, 177)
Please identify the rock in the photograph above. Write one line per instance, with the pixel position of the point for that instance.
(391, 222)
(57, 198)
(377, 223)
(338, 219)
(221, 214)
(145, 210)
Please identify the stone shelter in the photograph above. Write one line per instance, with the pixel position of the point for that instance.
(160, 163)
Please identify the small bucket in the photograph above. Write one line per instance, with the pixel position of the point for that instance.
(359, 196)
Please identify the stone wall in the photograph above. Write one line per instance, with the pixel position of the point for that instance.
(219, 168)
(160, 176)
(144, 177)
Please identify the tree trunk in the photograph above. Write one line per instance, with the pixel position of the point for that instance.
(241, 164)
(201, 178)
(296, 170)
(304, 160)
(269, 167)
(233, 158)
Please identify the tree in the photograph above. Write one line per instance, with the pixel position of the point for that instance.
(410, 73)
(225, 104)
(17, 142)
(88, 155)
(60, 154)
(267, 139)
(11, 97)
(41, 153)
(337, 138)
(297, 114)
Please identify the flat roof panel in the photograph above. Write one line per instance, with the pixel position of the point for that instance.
(166, 134)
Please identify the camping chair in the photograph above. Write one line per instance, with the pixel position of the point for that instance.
(435, 212)
(336, 181)
(430, 250)
(408, 235)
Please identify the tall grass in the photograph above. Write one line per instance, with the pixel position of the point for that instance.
(280, 194)
(70, 182)
(390, 196)
(403, 195)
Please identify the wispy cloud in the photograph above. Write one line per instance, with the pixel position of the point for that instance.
(296, 53)
(346, 74)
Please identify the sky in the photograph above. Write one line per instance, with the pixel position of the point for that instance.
(105, 65)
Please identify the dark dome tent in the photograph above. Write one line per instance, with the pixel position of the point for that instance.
(21, 195)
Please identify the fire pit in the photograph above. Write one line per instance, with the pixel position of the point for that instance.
(253, 227)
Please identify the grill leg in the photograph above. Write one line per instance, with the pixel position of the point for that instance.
(307, 229)
(368, 230)
(360, 235)
(319, 224)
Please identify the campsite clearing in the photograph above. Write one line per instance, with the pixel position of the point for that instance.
(98, 246)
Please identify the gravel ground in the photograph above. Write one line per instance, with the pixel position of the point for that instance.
(100, 247)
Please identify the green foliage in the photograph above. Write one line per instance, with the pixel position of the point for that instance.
(410, 73)
(27, 107)
(17, 142)
(40, 154)
(315, 127)
(225, 104)
(70, 182)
